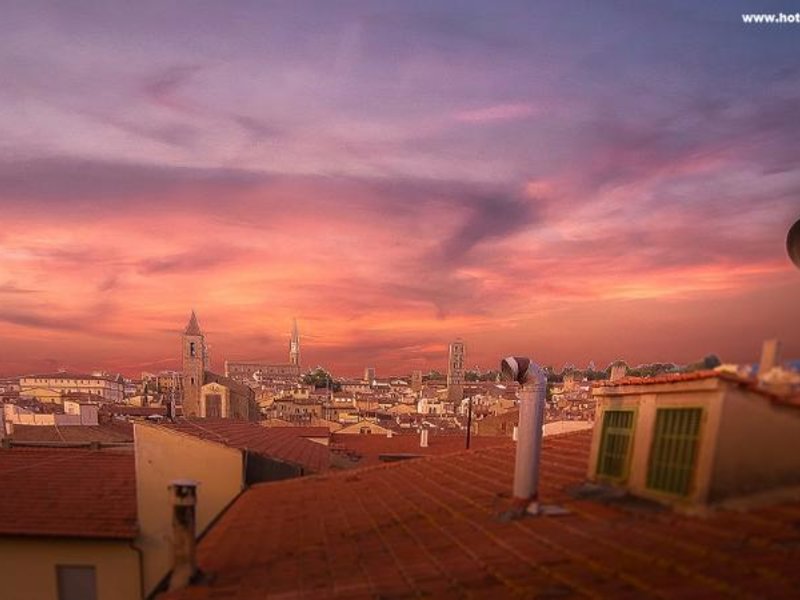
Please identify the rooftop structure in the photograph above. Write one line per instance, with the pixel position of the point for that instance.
(693, 439)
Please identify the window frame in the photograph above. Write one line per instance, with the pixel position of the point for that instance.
(698, 441)
(626, 467)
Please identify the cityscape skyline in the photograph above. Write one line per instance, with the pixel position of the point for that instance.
(395, 176)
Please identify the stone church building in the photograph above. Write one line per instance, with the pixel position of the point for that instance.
(207, 394)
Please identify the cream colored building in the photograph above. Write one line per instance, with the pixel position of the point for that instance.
(162, 456)
(694, 439)
(58, 541)
(53, 386)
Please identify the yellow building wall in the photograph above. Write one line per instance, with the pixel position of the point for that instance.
(705, 395)
(28, 567)
(758, 446)
(162, 456)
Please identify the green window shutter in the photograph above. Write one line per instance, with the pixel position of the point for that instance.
(615, 443)
(674, 450)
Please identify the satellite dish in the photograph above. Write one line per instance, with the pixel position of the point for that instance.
(793, 243)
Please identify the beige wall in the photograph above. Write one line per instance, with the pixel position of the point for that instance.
(749, 422)
(28, 567)
(162, 456)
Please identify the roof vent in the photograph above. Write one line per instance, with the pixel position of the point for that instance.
(183, 498)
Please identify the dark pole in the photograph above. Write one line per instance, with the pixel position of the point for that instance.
(469, 421)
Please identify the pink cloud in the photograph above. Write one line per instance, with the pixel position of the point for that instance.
(496, 112)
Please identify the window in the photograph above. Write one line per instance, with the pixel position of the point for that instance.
(191, 349)
(674, 451)
(76, 582)
(615, 444)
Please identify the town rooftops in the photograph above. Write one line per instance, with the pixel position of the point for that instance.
(67, 493)
(430, 527)
(283, 444)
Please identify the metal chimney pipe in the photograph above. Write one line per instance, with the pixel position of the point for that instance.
(183, 497)
(423, 438)
(529, 431)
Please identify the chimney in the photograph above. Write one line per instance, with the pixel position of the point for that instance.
(183, 498)
(515, 433)
(770, 356)
(529, 431)
(423, 438)
(389, 434)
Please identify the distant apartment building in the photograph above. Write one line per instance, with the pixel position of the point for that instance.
(455, 372)
(52, 387)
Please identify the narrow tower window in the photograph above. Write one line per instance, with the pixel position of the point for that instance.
(191, 349)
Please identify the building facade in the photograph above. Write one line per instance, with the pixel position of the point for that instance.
(52, 387)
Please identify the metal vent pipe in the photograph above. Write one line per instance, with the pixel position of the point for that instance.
(529, 431)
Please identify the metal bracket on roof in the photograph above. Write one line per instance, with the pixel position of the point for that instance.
(519, 510)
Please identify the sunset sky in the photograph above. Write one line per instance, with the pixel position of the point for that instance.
(574, 181)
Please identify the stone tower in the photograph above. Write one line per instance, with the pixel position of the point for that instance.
(194, 366)
(294, 346)
(455, 372)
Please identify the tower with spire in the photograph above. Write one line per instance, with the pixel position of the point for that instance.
(294, 346)
(194, 366)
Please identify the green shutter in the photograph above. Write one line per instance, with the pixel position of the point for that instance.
(615, 443)
(674, 451)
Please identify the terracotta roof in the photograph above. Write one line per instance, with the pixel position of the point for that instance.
(133, 411)
(67, 492)
(367, 449)
(675, 378)
(282, 443)
(304, 432)
(745, 382)
(429, 527)
(106, 433)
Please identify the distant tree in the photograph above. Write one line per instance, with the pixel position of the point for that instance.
(320, 378)
(710, 361)
(472, 375)
(552, 376)
(433, 376)
(490, 375)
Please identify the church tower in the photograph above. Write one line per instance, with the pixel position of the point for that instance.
(455, 372)
(194, 366)
(294, 346)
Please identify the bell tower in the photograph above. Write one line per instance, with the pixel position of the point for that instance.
(294, 346)
(194, 366)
